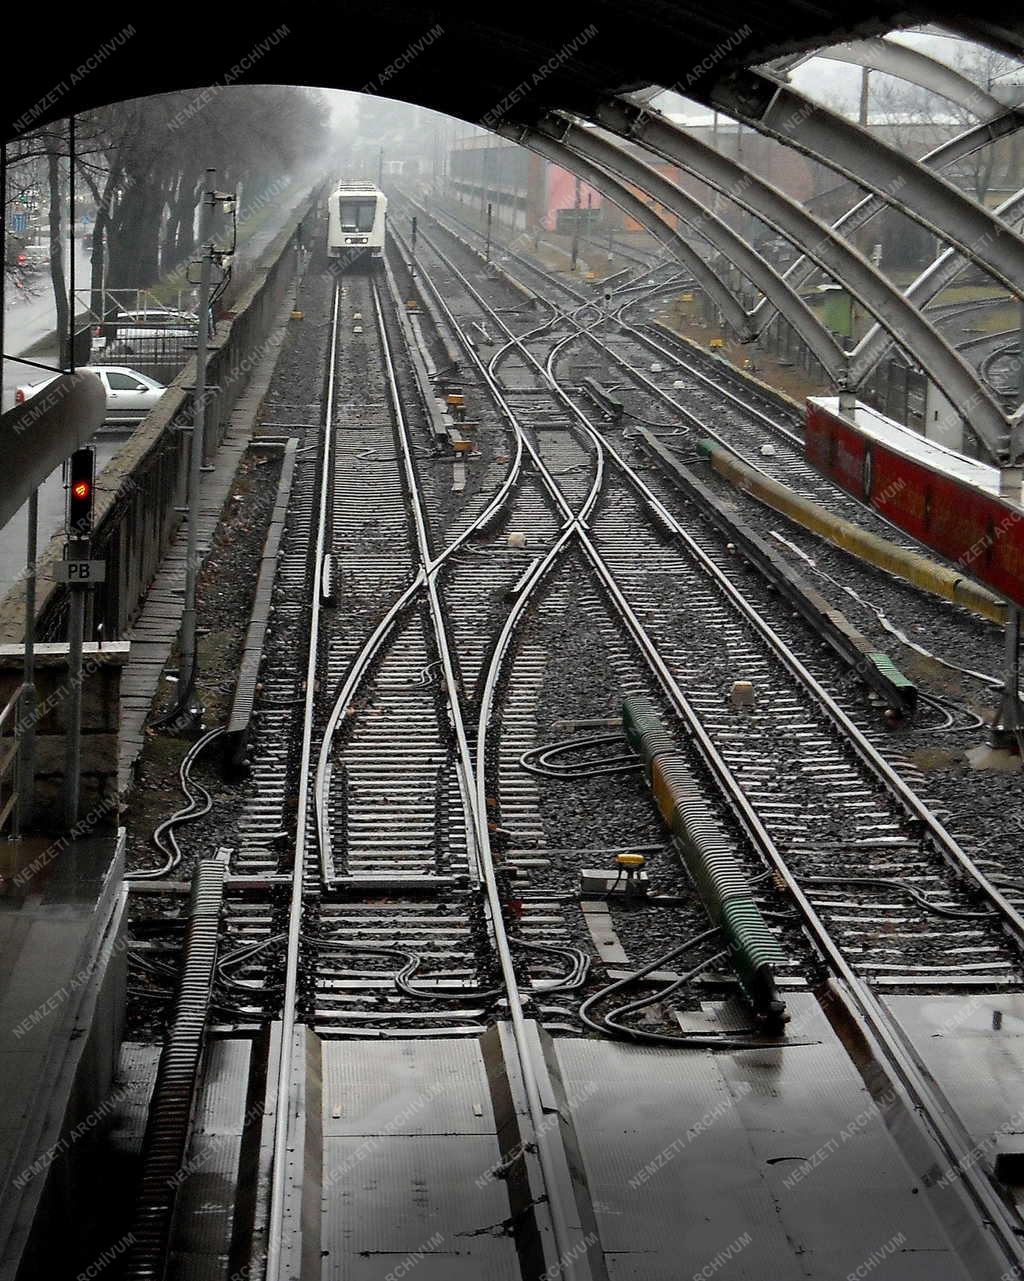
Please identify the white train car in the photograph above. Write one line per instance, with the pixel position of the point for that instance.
(356, 219)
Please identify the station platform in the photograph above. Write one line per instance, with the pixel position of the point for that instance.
(777, 1162)
(930, 453)
(969, 512)
(62, 992)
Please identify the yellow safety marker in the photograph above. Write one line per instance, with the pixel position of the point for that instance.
(631, 862)
(909, 565)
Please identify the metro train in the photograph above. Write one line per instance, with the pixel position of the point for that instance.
(356, 222)
(946, 501)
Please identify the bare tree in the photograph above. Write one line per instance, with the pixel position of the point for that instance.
(142, 163)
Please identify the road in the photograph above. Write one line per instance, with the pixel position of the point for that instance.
(27, 319)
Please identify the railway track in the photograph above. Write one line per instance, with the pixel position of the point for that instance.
(867, 828)
(392, 870)
(661, 378)
(697, 602)
(401, 876)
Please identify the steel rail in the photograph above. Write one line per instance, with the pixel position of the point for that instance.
(645, 339)
(427, 573)
(353, 679)
(282, 1114)
(278, 1182)
(980, 340)
(952, 851)
(572, 1262)
(944, 1129)
(650, 342)
(775, 427)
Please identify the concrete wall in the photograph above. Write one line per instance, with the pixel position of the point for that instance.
(140, 489)
(101, 703)
(73, 943)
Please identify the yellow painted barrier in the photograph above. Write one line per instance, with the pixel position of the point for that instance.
(909, 565)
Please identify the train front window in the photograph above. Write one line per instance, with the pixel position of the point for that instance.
(357, 215)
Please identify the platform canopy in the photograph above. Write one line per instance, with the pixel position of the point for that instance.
(471, 61)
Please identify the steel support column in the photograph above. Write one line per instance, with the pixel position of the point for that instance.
(573, 140)
(947, 369)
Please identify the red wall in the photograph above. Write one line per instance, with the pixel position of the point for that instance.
(981, 534)
(561, 194)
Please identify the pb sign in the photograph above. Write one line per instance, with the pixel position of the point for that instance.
(80, 572)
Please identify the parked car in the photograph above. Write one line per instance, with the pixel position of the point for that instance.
(33, 257)
(149, 330)
(130, 395)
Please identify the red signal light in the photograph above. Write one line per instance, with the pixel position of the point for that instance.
(80, 495)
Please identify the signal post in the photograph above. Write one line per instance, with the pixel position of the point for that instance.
(80, 574)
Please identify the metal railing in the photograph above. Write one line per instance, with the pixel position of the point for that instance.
(10, 744)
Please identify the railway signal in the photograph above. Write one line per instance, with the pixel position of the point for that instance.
(81, 487)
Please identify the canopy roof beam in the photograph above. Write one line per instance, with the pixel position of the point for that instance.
(948, 153)
(916, 190)
(834, 255)
(915, 67)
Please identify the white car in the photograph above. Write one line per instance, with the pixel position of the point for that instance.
(130, 395)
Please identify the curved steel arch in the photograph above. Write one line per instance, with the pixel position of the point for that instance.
(914, 66)
(551, 148)
(774, 109)
(573, 140)
(982, 31)
(833, 254)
